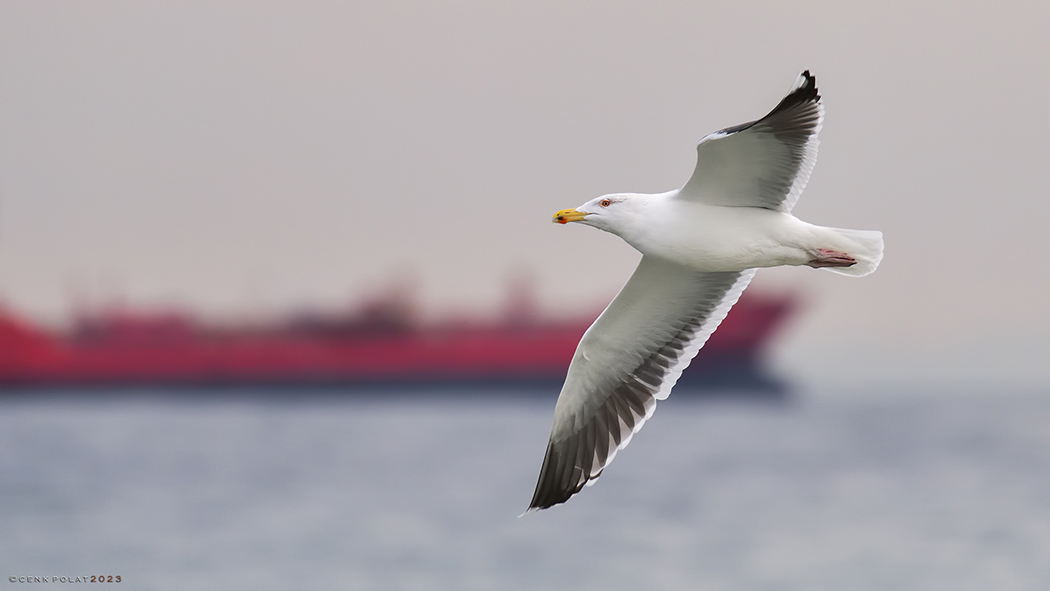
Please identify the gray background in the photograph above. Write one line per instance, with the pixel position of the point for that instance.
(246, 159)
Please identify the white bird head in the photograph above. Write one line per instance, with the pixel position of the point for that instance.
(613, 213)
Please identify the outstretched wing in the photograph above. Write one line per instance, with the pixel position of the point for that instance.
(628, 359)
(765, 163)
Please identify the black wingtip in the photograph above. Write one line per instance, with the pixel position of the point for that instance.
(805, 91)
(557, 482)
(549, 494)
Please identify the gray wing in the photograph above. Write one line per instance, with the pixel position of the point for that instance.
(627, 360)
(765, 163)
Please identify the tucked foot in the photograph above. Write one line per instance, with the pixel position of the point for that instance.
(831, 258)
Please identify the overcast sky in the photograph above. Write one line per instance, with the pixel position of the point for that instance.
(253, 157)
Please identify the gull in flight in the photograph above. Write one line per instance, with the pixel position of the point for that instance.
(700, 246)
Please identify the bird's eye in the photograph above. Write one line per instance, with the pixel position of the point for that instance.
(606, 203)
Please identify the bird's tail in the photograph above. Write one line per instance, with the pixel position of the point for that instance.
(863, 245)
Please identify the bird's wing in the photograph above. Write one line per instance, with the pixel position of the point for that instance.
(628, 359)
(765, 163)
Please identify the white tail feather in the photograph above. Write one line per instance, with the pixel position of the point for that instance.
(863, 245)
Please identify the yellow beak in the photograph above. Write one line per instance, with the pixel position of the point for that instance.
(568, 215)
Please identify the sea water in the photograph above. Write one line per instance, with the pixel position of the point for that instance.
(374, 490)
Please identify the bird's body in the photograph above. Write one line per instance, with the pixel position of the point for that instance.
(701, 246)
(721, 238)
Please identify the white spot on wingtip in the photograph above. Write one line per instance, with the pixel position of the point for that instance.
(626, 440)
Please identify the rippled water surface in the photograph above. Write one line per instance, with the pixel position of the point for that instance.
(180, 491)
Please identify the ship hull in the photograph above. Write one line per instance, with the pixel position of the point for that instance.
(508, 356)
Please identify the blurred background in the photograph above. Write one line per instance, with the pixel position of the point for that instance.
(249, 161)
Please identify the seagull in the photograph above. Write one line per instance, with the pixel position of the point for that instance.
(700, 246)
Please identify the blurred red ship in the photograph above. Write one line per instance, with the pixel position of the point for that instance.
(379, 344)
